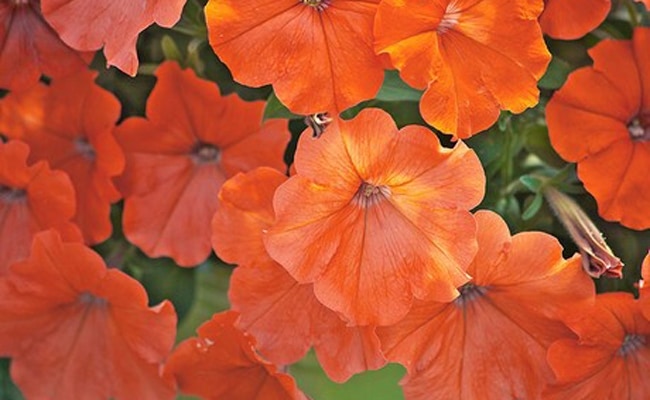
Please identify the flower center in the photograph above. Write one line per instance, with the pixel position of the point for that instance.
(450, 19)
(631, 343)
(84, 148)
(91, 300)
(19, 2)
(639, 128)
(11, 195)
(369, 195)
(469, 292)
(204, 153)
(319, 5)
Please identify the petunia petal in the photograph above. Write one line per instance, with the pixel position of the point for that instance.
(94, 25)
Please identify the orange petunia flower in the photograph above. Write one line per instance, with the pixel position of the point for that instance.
(317, 54)
(70, 124)
(491, 342)
(610, 359)
(32, 198)
(601, 120)
(572, 19)
(177, 159)
(30, 47)
(375, 217)
(474, 58)
(222, 364)
(89, 26)
(77, 330)
(284, 316)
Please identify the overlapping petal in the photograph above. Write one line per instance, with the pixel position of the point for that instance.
(32, 198)
(382, 218)
(177, 159)
(319, 57)
(491, 342)
(75, 329)
(29, 47)
(284, 316)
(601, 120)
(70, 124)
(115, 26)
(474, 58)
(221, 363)
(572, 19)
(611, 356)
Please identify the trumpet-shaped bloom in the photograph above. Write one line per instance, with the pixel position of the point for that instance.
(32, 198)
(491, 342)
(70, 124)
(284, 316)
(610, 359)
(572, 19)
(600, 119)
(114, 25)
(221, 363)
(375, 217)
(30, 47)
(317, 54)
(473, 57)
(179, 156)
(77, 330)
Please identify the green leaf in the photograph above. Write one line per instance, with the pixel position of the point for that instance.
(533, 207)
(210, 296)
(8, 391)
(395, 89)
(531, 182)
(170, 49)
(556, 74)
(275, 109)
(538, 143)
(376, 385)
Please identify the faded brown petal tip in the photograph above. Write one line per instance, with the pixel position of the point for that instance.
(597, 258)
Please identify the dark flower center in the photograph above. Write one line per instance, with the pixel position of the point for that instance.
(369, 195)
(469, 292)
(84, 148)
(204, 153)
(639, 128)
(631, 343)
(319, 5)
(91, 300)
(12, 195)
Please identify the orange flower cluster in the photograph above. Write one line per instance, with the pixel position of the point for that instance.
(370, 252)
(324, 55)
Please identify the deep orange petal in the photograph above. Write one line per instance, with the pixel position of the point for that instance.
(592, 121)
(317, 61)
(432, 43)
(572, 19)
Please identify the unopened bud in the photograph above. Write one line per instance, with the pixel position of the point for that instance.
(597, 258)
